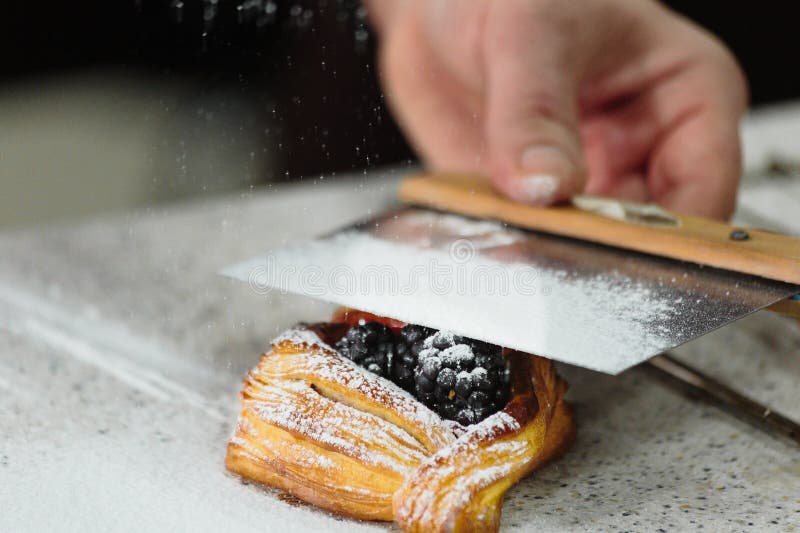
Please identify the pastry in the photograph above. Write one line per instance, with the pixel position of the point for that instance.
(378, 420)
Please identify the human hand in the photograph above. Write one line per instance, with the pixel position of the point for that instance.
(551, 98)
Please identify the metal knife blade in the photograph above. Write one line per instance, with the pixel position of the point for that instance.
(573, 301)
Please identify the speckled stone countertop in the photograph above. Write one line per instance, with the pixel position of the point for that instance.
(122, 351)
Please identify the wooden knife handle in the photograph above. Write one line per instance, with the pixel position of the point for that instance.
(688, 238)
(789, 307)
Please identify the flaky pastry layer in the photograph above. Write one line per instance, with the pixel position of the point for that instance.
(321, 428)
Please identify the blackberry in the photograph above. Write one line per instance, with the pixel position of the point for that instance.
(461, 379)
(407, 346)
(369, 345)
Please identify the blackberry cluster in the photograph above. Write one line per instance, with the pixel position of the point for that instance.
(370, 345)
(461, 379)
(410, 341)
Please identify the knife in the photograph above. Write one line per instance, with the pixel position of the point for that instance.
(601, 284)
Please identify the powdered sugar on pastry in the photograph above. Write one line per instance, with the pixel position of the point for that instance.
(301, 335)
(346, 382)
(317, 425)
(295, 407)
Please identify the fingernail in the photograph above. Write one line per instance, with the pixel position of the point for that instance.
(539, 189)
(543, 169)
(546, 160)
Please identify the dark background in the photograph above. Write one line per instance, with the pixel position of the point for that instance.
(309, 66)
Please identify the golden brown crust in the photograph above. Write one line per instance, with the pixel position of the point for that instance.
(337, 378)
(319, 427)
(330, 433)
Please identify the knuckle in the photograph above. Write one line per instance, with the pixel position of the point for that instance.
(543, 105)
(728, 71)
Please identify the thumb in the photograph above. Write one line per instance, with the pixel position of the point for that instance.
(531, 123)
